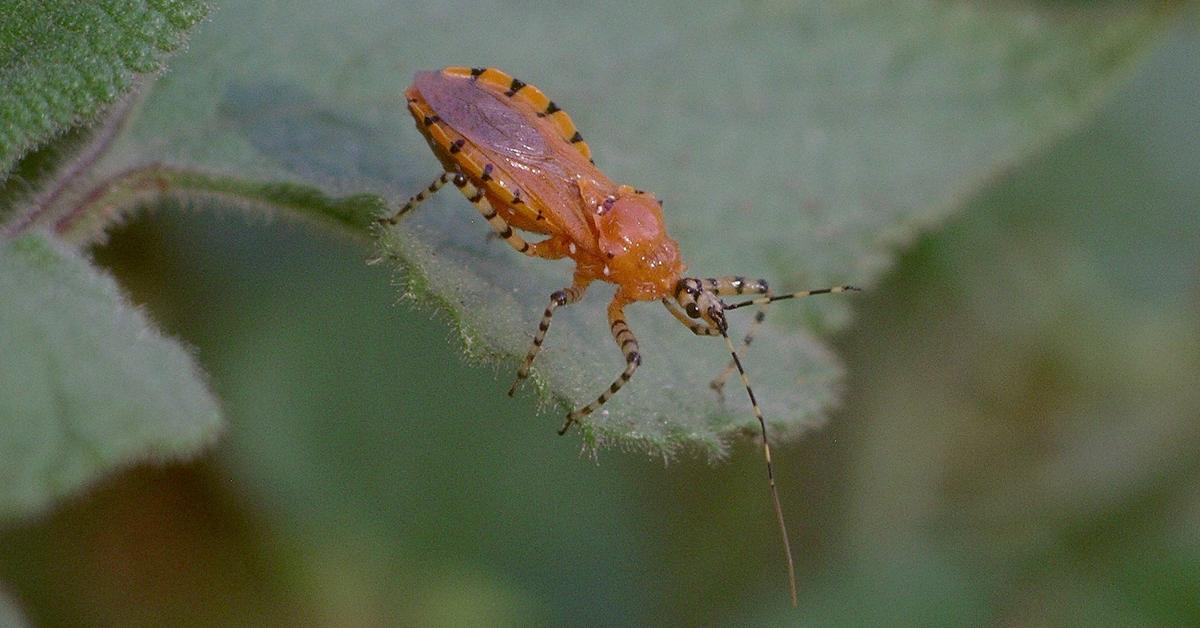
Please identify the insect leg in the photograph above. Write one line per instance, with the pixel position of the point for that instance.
(416, 200)
(557, 300)
(495, 221)
(728, 286)
(629, 347)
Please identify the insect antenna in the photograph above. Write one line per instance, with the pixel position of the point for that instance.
(762, 423)
(794, 295)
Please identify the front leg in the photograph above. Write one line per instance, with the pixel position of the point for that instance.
(629, 348)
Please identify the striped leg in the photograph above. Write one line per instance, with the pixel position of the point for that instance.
(728, 286)
(495, 221)
(557, 300)
(416, 200)
(629, 347)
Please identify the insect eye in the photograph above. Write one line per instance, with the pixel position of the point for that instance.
(693, 310)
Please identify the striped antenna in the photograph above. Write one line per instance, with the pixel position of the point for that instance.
(794, 295)
(762, 423)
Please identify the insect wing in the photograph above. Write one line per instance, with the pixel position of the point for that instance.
(485, 120)
(518, 142)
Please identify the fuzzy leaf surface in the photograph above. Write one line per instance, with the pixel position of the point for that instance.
(86, 383)
(803, 143)
(62, 62)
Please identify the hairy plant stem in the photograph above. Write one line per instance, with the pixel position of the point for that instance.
(86, 222)
(43, 204)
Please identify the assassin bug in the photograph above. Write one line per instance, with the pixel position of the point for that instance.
(520, 160)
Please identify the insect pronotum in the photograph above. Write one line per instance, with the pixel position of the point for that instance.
(520, 160)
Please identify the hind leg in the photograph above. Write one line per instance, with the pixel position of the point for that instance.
(416, 200)
(550, 248)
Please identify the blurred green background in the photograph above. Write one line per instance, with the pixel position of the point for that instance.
(1018, 443)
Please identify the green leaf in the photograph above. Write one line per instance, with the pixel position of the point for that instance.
(86, 384)
(62, 62)
(800, 143)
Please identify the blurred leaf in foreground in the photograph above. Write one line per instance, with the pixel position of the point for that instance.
(86, 384)
(10, 613)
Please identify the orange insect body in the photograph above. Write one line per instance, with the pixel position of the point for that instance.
(536, 171)
(520, 160)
